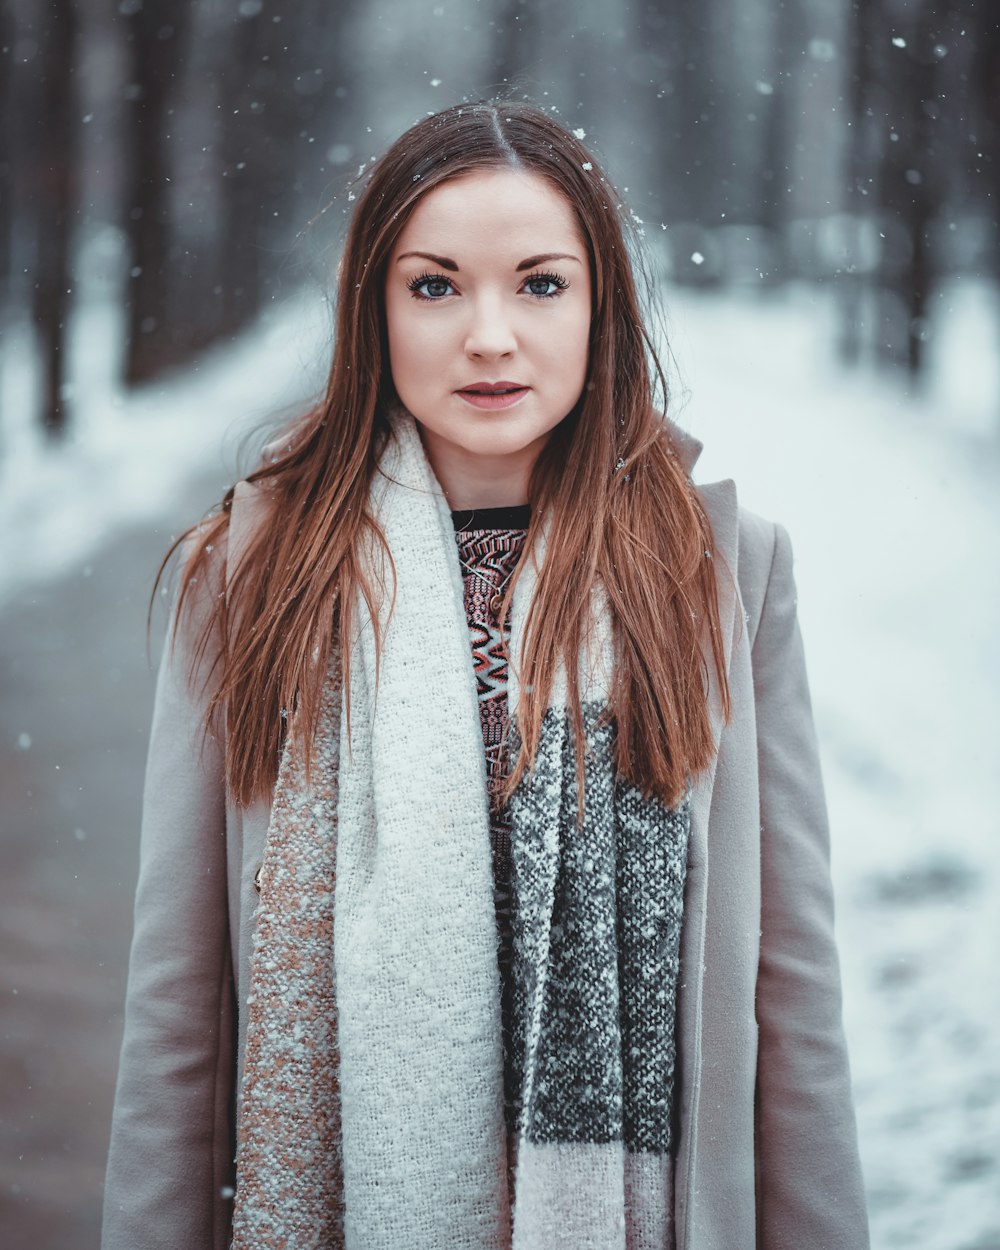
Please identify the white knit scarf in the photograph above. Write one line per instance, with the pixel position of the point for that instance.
(371, 1113)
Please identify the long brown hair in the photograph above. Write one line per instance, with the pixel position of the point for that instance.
(643, 535)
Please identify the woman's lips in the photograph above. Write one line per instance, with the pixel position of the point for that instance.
(493, 395)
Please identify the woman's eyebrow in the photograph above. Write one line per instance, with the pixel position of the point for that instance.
(445, 262)
(544, 258)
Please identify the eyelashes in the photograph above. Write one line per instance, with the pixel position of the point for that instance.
(428, 280)
(546, 279)
(434, 287)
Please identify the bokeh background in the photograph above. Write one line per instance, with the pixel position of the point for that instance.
(817, 186)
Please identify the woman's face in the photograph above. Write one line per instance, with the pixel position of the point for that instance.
(488, 308)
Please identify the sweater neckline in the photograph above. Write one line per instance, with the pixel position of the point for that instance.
(516, 517)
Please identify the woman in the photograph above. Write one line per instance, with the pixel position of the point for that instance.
(380, 995)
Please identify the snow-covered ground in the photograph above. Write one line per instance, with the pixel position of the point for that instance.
(892, 508)
(128, 454)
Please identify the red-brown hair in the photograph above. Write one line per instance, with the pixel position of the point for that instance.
(642, 534)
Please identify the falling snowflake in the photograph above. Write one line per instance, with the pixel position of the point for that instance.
(587, 166)
(822, 50)
(697, 258)
(580, 133)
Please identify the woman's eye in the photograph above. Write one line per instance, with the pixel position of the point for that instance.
(430, 286)
(545, 285)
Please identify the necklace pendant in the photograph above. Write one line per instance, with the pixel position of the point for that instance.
(496, 602)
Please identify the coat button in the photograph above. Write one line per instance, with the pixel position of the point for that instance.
(256, 878)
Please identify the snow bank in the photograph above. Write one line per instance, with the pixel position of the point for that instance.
(129, 454)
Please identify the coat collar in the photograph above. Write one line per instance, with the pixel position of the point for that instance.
(688, 447)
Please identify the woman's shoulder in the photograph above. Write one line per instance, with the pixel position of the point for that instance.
(758, 540)
(252, 502)
(248, 510)
(764, 568)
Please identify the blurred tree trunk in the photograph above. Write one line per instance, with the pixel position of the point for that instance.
(863, 153)
(52, 204)
(261, 94)
(515, 29)
(676, 39)
(155, 34)
(7, 72)
(244, 78)
(280, 84)
(984, 22)
(911, 194)
(777, 166)
(319, 96)
(686, 148)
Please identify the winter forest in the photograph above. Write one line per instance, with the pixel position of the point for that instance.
(178, 161)
(817, 189)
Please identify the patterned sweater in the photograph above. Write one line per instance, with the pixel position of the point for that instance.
(490, 542)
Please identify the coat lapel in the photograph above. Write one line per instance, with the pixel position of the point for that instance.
(247, 829)
(719, 501)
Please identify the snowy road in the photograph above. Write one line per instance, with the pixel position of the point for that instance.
(893, 514)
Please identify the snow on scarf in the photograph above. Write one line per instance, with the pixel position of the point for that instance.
(371, 1112)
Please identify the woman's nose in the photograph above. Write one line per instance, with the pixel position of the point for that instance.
(490, 333)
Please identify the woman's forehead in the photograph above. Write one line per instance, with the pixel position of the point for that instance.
(496, 211)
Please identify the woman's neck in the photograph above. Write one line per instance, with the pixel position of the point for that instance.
(476, 481)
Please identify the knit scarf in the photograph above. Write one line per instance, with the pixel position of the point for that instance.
(371, 1113)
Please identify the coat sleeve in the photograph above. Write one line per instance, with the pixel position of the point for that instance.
(809, 1185)
(170, 1162)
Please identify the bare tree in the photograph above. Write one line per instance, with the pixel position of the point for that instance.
(911, 182)
(776, 169)
(861, 162)
(686, 147)
(247, 151)
(901, 164)
(6, 154)
(515, 25)
(155, 32)
(51, 196)
(984, 82)
(282, 90)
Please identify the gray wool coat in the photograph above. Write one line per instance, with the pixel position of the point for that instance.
(767, 1154)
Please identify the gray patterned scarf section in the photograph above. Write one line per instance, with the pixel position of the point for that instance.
(597, 922)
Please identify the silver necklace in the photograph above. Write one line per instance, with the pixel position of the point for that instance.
(496, 598)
